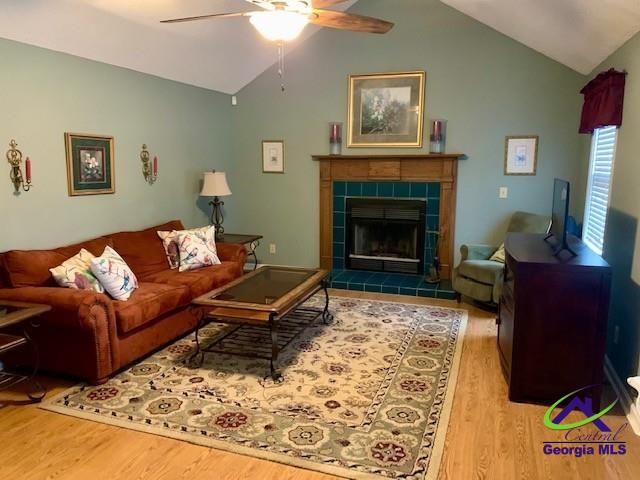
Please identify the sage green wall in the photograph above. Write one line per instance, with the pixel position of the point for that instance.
(486, 85)
(622, 248)
(44, 94)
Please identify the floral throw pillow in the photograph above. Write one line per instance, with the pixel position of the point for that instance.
(197, 249)
(76, 273)
(170, 243)
(114, 274)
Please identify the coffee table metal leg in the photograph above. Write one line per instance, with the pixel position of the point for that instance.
(36, 391)
(326, 314)
(201, 322)
(273, 327)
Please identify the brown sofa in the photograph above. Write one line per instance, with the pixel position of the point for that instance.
(89, 335)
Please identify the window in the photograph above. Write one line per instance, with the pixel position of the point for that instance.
(603, 150)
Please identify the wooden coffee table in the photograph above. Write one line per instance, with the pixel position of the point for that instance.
(270, 297)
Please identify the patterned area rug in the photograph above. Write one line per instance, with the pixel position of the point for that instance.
(367, 396)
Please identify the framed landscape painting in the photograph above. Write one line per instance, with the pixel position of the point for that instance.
(90, 165)
(386, 110)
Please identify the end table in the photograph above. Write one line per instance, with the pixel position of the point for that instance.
(250, 242)
(18, 315)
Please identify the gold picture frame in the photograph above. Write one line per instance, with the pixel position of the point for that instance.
(386, 110)
(273, 156)
(90, 164)
(521, 155)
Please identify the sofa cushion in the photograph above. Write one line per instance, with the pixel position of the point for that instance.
(148, 302)
(30, 268)
(114, 274)
(483, 271)
(199, 281)
(143, 250)
(76, 273)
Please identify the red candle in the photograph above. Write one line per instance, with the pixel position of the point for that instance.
(27, 167)
(155, 166)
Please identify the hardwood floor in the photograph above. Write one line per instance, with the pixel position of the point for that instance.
(488, 437)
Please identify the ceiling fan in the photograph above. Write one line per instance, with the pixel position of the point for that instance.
(284, 20)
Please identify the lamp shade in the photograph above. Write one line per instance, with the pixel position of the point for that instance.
(215, 185)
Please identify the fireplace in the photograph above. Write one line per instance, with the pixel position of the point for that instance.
(386, 235)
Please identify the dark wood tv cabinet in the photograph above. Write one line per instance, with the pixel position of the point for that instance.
(552, 319)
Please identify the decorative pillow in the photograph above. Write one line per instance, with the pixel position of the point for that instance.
(76, 273)
(114, 274)
(197, 249)
(170, 243)
(498, 256)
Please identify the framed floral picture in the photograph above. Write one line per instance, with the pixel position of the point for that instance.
(386, 110)
(90, 164)
(273, 156)
(521, 155)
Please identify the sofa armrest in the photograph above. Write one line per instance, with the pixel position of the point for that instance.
(89, 313)
(477, 252)
(232, 252)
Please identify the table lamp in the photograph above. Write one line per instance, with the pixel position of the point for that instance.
(215, 185)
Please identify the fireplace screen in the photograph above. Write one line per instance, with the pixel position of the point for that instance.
(385, 235)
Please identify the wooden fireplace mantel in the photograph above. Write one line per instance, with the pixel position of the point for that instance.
(426, 167)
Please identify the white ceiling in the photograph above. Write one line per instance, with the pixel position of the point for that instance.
(223, 55)
(578, 33)
(227, 54)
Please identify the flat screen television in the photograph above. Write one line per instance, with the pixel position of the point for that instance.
(559, 215)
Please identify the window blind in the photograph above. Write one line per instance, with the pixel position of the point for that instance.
(603, 149)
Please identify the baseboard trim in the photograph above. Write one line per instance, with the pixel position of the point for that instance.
(632, 413)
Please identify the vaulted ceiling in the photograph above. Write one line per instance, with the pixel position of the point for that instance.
(226, 55)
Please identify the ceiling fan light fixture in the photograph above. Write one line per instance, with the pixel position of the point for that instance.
(279, 25)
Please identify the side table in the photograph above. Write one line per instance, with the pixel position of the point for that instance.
(250, 242)
(18, 316)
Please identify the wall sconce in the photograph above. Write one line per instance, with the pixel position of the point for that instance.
(149, 169)
(14, 157)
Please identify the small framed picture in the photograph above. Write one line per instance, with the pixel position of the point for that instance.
(273, 156)
(521, 155)
(90, 164)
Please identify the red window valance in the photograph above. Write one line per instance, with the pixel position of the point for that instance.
(603, 101)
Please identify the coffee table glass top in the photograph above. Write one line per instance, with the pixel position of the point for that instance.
(266, 286)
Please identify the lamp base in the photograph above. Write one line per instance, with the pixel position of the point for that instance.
(217, 217)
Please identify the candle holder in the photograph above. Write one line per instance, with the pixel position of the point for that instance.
(335, 138)
(14, 157)
(438, 136)
(149, 169)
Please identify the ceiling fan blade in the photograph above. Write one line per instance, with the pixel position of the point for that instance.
(205, 17)
(325, 3)
(349, 21)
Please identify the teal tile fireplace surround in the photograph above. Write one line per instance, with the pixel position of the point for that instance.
(383, 282)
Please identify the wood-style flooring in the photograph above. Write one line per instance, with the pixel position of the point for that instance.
(488, 437)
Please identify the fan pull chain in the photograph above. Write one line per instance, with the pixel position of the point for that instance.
(281, 65)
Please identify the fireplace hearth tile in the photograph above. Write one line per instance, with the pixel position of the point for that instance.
(338, 204)
(338, 219)
(338, 234)
(433, 190)
(408, 291)
(338, 250)
(339, 188)
(394, 283)
(387, 289)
